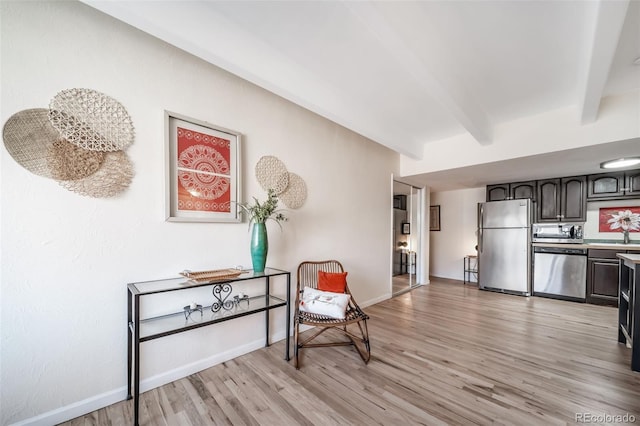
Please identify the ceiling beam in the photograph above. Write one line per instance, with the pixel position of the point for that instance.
(607, 27)
(439, 85)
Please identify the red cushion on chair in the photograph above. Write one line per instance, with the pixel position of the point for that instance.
(335, 282)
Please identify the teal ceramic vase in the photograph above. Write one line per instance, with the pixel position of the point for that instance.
(259, 246)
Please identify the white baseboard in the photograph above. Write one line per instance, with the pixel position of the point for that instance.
(375, 300)
(97, 402)
(76, 409)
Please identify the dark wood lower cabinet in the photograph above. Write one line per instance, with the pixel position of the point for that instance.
(602, 276)
(602, 281)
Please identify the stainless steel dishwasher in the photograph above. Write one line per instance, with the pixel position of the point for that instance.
(560, 273)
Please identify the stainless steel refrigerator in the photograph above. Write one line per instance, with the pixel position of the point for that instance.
(504, 246)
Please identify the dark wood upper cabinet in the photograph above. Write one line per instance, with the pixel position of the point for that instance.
(548, 206)
(562, 200)
(523, 190)
(632, 183)
(498, 192)
(573, 207)
(512, 191)
(615, 185)
(606, 185)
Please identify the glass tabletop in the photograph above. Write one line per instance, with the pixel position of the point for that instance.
(159, 286)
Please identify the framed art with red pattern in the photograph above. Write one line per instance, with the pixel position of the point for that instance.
(611, 219)
(203, 171)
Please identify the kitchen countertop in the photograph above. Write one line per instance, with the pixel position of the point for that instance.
(593, 244)
(631, 258)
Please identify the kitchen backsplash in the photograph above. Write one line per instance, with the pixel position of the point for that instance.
(591, 231)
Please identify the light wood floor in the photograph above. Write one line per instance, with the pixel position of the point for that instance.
(441, 354)
(401, 283)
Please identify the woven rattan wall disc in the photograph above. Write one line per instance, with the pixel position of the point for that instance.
(113, 177)
(91, 120)
(296, 193)
(29, 136)
(272, 174)
(69, 162)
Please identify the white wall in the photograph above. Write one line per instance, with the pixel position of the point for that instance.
(66, 259)
(457, 237)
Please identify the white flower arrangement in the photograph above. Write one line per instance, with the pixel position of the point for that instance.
(625, 221)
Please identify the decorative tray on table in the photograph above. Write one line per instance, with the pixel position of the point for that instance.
(213, 275)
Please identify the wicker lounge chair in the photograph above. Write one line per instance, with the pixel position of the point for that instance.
(358, 336)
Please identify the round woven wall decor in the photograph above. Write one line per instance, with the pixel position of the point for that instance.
(272, 174)
(68, 162)
(91, 120)
(296, 193)
(29, 136)
(112, 178)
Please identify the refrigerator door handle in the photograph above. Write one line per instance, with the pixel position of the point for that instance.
(480, 228)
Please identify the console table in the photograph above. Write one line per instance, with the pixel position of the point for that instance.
(629, 305)
(222, 308)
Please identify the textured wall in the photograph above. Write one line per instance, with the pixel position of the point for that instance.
(66, 258)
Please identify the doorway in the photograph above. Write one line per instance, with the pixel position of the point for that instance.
(406, 236)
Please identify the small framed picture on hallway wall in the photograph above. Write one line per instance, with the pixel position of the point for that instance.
(434, 218)
(406, 228)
